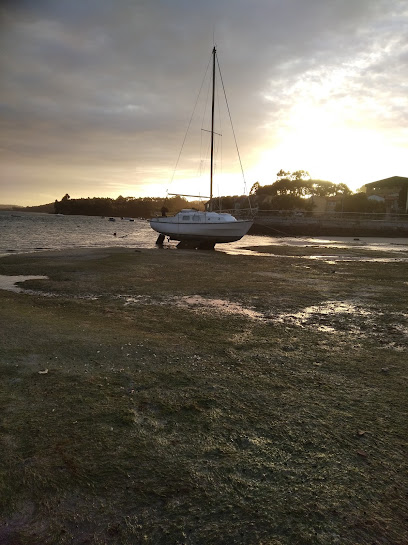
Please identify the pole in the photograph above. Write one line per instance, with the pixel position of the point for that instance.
(212, 130)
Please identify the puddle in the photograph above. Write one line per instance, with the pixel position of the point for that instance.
(333, 317)
(329, 308)
(221, 305)
(329, 317)
(197, 302)
(9, 282)
(349, 318)
(331, 259)
(360, 259)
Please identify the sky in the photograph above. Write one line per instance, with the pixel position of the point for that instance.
(96, 95)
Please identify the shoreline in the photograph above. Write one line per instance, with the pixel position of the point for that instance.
(320, 226)
(263, 240)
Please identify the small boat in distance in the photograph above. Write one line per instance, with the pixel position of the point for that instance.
(196, 229)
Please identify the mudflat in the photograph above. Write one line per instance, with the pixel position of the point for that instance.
(166, 396)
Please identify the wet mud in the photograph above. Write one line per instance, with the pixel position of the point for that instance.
(222, 397)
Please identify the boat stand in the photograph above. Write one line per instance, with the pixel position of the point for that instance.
(206, 245)
(160, 240)
(191, 244)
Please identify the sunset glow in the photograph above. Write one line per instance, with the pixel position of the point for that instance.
(96, 101)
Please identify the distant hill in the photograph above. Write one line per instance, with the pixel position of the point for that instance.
(46, 208)
(8, 206)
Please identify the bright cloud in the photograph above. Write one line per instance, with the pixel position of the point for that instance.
(96, 96)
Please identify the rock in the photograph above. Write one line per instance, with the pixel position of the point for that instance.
(362, 453)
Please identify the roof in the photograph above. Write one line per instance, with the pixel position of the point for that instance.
(387, 182)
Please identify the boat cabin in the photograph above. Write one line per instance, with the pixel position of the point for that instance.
(188, 215)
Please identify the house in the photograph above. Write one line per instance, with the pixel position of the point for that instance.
(322, 205)
(393, 191)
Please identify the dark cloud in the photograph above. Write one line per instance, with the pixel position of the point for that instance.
(107, 81)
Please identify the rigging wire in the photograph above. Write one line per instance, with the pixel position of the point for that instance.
(189, 124)
(219, 145)
(232, 126)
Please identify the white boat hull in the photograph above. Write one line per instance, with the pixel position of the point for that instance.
(228, 231)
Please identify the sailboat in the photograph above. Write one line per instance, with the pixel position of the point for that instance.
(196, 229)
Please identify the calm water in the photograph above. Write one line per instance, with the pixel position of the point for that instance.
(26, 232)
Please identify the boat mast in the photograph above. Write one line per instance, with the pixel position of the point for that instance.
(212, 129)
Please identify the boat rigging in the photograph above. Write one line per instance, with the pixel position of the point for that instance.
(202, 230)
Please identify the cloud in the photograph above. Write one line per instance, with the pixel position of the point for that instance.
(113, 83)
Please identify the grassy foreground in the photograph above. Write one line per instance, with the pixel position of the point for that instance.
(269, 410)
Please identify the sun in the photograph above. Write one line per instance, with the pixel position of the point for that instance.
(325, 143)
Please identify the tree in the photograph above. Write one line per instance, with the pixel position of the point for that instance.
(343, 189)
(284, 186)
(290, 202)
(300, 175)
(321, 188)
(282, 174)
(360, 203)
(297, 175)
(291, 186)
(265, 190)
(295, 186)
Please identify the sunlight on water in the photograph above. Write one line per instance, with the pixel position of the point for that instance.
(327, 310)
(198, 303)
(9, 282)
(33, 232)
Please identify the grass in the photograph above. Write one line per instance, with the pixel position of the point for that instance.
(150, 422)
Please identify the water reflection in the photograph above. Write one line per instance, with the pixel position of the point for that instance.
(8, 283)
(197, 303)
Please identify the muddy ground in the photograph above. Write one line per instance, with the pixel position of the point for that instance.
(183, 397)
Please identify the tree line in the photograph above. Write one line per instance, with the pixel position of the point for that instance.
(130, 207)
(300, 184)
(291, 191)
(297, 190)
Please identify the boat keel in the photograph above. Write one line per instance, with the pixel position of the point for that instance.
(191, 244)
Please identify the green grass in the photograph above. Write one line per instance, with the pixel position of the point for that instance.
(162, 424)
